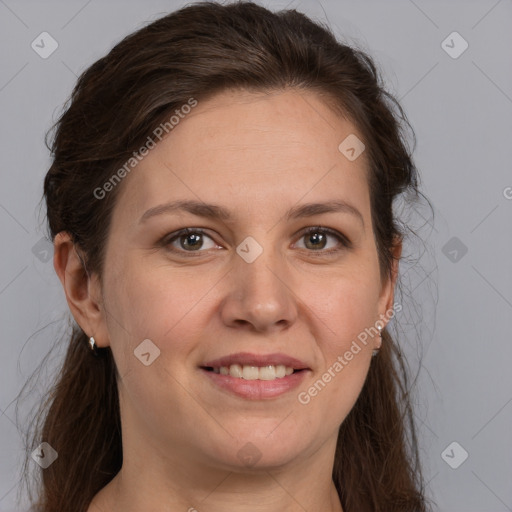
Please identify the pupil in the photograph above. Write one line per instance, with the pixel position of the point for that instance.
(193, 237)
(317, 237)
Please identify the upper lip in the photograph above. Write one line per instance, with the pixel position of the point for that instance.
(246, 358)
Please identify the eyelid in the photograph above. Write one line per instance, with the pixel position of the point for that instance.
(175, 235)
(343, 239)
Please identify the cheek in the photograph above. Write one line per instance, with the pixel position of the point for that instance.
(347, 305)
(348, 313)
(150, 302)
(346, 348)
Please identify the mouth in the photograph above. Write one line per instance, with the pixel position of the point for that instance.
(255, 376)
(251, 372)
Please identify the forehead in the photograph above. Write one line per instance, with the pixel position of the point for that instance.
(267, 148)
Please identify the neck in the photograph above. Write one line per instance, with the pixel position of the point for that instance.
(157, 484)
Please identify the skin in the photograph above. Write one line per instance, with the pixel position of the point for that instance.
(257, 154)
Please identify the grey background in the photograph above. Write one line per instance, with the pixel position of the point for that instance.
(461, 111)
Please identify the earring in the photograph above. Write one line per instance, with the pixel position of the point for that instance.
(376, 351)
(93, 346)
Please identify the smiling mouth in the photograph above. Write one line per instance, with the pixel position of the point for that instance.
(250, 372)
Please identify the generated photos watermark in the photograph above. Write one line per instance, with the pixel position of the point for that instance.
(158, 133)
(304, 397)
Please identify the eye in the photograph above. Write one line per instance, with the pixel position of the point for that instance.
(316, 239)
(191, 240)
(188, 240)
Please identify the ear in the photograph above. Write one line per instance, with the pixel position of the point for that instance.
(386, 299)
(83, 291)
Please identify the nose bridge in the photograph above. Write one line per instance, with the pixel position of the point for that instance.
(263, 296)
(257, 268)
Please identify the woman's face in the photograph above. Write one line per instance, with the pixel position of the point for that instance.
(253, 282)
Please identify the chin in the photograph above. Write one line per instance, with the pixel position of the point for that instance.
(252, 452)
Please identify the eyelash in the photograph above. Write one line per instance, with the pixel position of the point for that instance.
(167, 240)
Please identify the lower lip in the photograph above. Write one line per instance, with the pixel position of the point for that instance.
(256, 389)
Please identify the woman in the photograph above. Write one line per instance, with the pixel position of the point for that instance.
(220, 201)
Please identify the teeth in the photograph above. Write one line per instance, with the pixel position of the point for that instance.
(248, 372)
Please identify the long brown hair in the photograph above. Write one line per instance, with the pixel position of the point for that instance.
(116, 104)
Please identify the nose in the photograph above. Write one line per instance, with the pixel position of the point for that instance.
(260, 294)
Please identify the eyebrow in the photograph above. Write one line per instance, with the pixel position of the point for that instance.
(216, 212)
